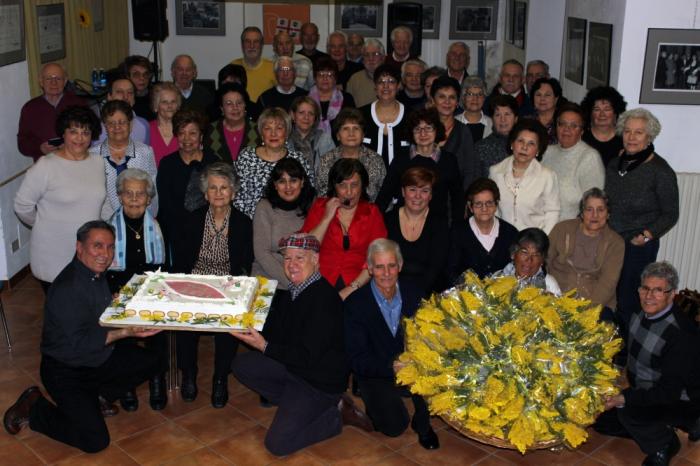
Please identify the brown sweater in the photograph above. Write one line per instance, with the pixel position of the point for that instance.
(597, 285)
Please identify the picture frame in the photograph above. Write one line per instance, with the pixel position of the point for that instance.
(598, 56)
(365, 18)
(519, 23)
(671, 72)
(200, 18)
(431, 17)
(51, 24)
(575, 49)
(473, 19)
(98, 15)
(12, 44)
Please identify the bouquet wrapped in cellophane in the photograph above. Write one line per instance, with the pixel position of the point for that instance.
(509, 365)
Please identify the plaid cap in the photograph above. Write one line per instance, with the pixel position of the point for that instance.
(300, 241)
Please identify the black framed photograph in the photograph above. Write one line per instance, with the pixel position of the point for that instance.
(200, 18)
(51, 24)
(575, 49)
(671, 67)
(519, 23)
(473, 19)
(431, 19)
(12, 46)
(363, 18)
(598, 57)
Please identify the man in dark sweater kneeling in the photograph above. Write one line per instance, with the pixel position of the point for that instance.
(300, 364)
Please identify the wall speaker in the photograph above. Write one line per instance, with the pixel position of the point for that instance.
(411, 16)
(150, 22)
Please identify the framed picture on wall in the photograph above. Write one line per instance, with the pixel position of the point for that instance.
(473, 19)
(519, 23)
(598, 58)
(671, 67)
(431, 17)
(365, 18)
(575, 49)
(200, 18)
(51, 25)
(12, 47)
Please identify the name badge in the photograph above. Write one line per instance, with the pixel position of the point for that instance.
(366, 141)
(405, 143)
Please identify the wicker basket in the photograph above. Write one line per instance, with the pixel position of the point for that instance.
(554, 444)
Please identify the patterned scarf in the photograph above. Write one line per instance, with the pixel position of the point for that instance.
(334, 106)
(152, 240)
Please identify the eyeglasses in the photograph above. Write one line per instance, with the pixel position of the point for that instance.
(284, 68)
(386, 82)
(483, 205)
(656, 292)
(116, 124)
(424, 129)
(326, 74)
(372, 54)
(568, 125)
(134, 194)
(474, 94)
(525, 254)
(53, 79)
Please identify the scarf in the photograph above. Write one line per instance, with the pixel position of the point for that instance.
(152, 240)
(628, 162)
(334, 106)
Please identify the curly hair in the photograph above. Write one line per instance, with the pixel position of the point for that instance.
(532, 125)
(427, 115)
(186, 116)
(82, 117)
(607, 93)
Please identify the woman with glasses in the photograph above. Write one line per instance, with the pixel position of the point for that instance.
(233, 132)
(577, 165)
(481, 242)
(140, 71)
(120, 152)
(345, 223)
(473, 97)
(528, 254)
(329, 98)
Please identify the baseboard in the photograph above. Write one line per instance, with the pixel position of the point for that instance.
(18, 277)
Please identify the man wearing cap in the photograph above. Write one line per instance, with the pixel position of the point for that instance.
(300, 364)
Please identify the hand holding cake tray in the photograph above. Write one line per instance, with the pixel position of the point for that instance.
(206, 303)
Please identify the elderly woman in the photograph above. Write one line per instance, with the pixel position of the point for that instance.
(255, 163)
(547, 98)
(473, 97)
(120, 152)
(529, 191)
(138, 248)
(385, 117)
(494, 147)
(178, 174)
(425, 127)
(233, 132)
(349, 132)
(281, 212)
(218, 241)
(643, 193)
(457, 139)
(481, 243)
(165, 102)
(345, 222)
(420, 232)
(602, 106)
(306, 136)
(585, 253)
(60, 192)
(577, 165)
(326, 94)
(528, 254)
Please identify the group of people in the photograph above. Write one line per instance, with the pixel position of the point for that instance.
(361, 182)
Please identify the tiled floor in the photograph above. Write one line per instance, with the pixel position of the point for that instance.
(196, 434)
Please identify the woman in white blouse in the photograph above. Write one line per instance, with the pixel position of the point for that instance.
(529, 191)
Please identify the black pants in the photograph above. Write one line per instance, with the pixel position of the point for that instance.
(636, 258)
(305, 415)
(225, 346)
(652, 428)
(76, 419)
(385, 407)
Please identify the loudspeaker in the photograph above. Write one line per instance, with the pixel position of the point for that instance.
(150, 22)
(411, 16)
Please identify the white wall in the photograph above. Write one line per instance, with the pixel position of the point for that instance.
(545, 33)
(14, 92)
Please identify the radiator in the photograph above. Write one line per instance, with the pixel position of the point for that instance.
(681, 245)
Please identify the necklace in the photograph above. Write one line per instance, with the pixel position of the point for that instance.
(136, 232)
(416, 224)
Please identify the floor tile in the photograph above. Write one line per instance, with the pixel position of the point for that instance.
(112, 456)
(245, 448)
(561, 457)
(201, 457)
(299, 459)
(159, 444)
(453, 451)
(395, 459)
(49, 450)
(350, 447)
(210, 425)
(494, 460)
(127, 424)
(248, 403)
(619, 452)
(16, 453)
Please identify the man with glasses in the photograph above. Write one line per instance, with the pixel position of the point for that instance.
(661, 369)
(283, 46)
(261, 75)
(458, 58)
(283, 94)
(536, 69)
(361, 84)
(412, 94)
(510, 82)
(37, 121)
(140, 71)
(355, 44)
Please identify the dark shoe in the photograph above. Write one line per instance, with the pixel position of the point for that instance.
(158, 398)
(264, 402)
(129, 401)
(188, 388)
(18, 415)
(429, 440)
(106, 408)
(352, 415)
(663, 456)
(355, 387)
(219, 391)
(694, 431)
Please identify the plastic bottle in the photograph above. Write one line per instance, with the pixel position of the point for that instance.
(95, 79)
(103, 78)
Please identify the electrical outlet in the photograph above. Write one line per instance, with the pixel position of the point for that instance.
(15, 246)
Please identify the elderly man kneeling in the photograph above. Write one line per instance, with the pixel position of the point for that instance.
(301, 365)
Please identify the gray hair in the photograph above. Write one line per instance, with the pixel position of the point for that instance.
(383, 245)
(653, 125)
(533, 236)
(663, 270)
(339, 34)
(182, 55)
(136, 174)
(593, 193)
(473, 81)
(158, 89)
(372, 42)
(276, 64)
(398, 29)
(275, 113)
(413, 61)
(538, 62)
(222, 170)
